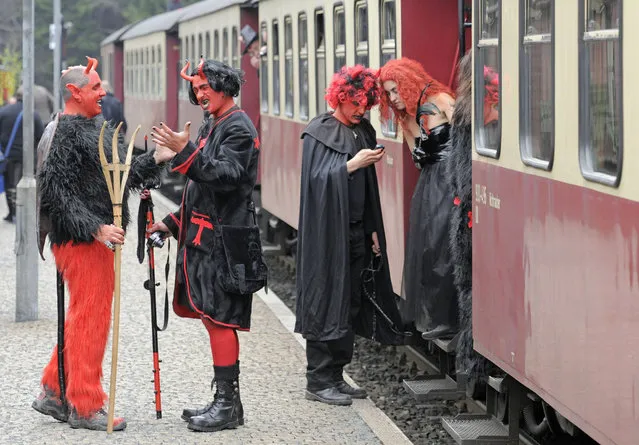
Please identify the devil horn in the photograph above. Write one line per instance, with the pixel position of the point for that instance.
(200, 68)
(91, 64)
(184, 71)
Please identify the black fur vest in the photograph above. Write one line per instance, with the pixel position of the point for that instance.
(72, 190)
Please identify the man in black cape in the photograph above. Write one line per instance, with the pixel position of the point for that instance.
(341, 236)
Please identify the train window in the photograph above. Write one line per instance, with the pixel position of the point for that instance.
(488, 73)
(339, 37)
(136, 88)
(388, 34)
(216, 45)
(159, 71)
(302, 30)
(207, 45)
(320, 62)
(276, 69)
(263, 70)
(225, 46)
(361, 33)
(536, 73)
(147, 73)
(234, 48)
(288, 66)
(600, 90)
(153, 71)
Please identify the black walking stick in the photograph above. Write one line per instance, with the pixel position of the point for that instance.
(61, 377)
(145, 222)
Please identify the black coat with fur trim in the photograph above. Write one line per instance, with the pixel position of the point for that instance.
(459, 170)
(73, 196)
(219, 259)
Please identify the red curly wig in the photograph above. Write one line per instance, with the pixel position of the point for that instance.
(491, 95)
(411, 78)
(354, 83)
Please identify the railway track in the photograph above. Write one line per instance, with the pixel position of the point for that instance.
(424, 359)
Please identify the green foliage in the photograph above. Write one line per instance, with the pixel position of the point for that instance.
(93, 20)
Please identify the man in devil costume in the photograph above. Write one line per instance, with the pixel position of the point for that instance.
(340, 229)
(219, 260)
(75, 210)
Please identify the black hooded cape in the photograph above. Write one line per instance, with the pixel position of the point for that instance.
(323, 281)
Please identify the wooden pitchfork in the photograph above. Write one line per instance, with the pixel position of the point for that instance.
(116, 175)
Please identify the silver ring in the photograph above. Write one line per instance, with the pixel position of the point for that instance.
(109, 244)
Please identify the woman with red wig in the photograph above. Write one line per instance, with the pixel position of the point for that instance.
(423, 108)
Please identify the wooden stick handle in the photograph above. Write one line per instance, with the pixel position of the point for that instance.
(116, 336)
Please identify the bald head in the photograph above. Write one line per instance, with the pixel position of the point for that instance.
(74, 76)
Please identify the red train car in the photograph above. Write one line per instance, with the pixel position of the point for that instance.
(211, 29)
(555, 268)
(306, 45)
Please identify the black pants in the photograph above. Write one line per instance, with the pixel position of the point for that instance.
(12, 175)
(326, 359)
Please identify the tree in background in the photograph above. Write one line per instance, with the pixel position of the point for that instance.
(93, 20)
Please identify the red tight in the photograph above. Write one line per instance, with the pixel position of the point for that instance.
(225, 345)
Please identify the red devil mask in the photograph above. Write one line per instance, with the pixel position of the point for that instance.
(85, 100)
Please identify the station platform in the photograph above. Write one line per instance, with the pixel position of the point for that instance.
(272, 379)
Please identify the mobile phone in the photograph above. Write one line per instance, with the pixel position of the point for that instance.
(380, 147)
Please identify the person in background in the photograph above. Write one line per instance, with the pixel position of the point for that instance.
(12, 149)
(250, 39)
(112, 109)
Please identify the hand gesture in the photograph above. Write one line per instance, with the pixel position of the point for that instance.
(109, 234)
(364, 158)
(168, 138)
(163, 154)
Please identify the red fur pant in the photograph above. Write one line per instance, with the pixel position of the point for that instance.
(88, 271)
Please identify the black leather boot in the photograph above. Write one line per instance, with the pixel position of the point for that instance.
(187, 413)
(226, 410)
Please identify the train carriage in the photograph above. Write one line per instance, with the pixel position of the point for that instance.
(306, 44)
(212, 29)
(555, 256)
(150, 55)
(112, 61)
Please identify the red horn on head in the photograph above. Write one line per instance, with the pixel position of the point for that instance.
(184, 71)
(200, 68)
(91, 64)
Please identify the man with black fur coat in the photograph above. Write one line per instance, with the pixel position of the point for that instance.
(75, 210)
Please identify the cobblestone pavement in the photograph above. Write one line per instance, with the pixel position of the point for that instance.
(272, 371)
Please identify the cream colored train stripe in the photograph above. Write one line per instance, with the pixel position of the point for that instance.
(566, 163)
